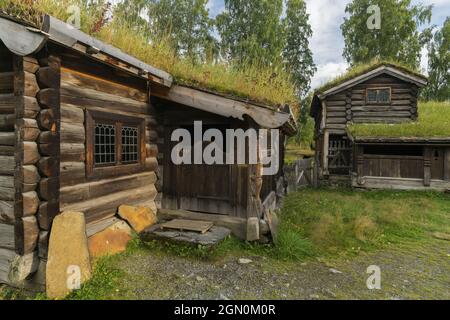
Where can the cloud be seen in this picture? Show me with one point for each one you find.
(326, 72)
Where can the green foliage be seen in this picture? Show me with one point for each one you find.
(103, 284)
(439, 65)
(397, 39)
(434, 121)
(256, 32)
(251, 31)
(298, 58)
(185, 23)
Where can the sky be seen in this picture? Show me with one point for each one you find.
(327, 43)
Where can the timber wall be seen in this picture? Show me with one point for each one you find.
(99, 198)
(351, 105)
(7, 162)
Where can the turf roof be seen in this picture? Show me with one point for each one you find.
(361, 69)
(433, 122)
(252, 83)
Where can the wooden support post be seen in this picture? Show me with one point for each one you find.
(359, 154)
(427, 167)
(326, 144)
(447, 165)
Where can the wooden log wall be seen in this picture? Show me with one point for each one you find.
(37, 152)
(100, 197)
(7, 162)
(351, 105)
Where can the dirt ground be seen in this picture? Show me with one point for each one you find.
(409, 272)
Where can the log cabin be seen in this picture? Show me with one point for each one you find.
(86, 127)
(371, 132)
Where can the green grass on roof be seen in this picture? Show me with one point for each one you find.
(251, 82)
(433, 122)
(364, 68)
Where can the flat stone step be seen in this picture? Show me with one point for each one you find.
(211, 238)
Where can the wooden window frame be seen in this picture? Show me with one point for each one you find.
(379, 103)
(94, 171)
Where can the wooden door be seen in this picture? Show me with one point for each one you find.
(437, 163)
(201, 188)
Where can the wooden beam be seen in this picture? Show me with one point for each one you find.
(19, 39)
(223, 106)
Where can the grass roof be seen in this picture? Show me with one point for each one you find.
(361, 69)
(251, 82)
(433, 122)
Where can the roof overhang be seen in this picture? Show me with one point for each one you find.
(401, 140)
(24, 40)
(395, 72)
(264, 116)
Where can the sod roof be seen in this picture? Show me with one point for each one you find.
(362, 69)
(433, 123)
(251, 83)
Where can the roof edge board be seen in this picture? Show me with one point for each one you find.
(67, 35)
(371, 74)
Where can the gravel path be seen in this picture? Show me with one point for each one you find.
(415, 272)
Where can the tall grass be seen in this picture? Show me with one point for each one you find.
(433, 122)
(335, 221)
(267, 85)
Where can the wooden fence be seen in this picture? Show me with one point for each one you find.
(300, 174)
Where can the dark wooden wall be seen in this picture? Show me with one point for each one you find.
(351, 105)
(7, 161)
(216, 189)
(90, 86)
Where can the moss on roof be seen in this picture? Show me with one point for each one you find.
(253, 83)
(433, 122)
(361, 69)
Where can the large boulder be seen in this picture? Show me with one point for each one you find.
(68, 263)
(110, 241)
(140, 218)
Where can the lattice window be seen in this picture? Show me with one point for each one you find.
(114, 140)
(379, 95)
(105, 144)
(130, 144)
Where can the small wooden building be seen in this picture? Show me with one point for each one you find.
(383, 94)
(86, 127)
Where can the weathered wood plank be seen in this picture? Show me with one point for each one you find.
(7, 236)
(88, 97)
(88, 81)
(8, 103)
(72, 173)
(7, 193)
(6, 257)
(7, 165)
(237, 225)
(86, 191)
(72, 114)
(7, 138)
(100, 208)
(7, 212)
(71, 152)
(72, 133)
(7, 122)
(6, 82)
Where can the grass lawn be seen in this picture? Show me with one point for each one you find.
(317, 225)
